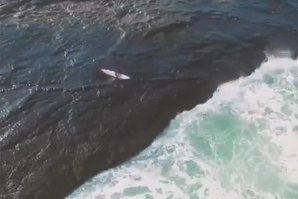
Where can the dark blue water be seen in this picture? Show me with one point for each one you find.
(52, 43)
(48, 45)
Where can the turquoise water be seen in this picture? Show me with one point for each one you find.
(240, 144)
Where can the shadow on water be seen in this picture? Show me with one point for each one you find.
(61, 124)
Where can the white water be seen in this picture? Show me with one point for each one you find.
(240, 144)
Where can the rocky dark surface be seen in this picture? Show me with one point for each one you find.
(60, 123)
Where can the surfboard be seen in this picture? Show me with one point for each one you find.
(114, 74)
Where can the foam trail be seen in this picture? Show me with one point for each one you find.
(240, 144)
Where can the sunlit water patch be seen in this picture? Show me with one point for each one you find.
(240, 144)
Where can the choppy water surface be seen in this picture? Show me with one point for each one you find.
(240, 144)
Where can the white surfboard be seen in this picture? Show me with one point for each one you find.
(114, 74)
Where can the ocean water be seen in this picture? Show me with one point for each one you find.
(241, 144)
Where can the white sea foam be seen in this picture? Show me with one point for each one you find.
(240, 144)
